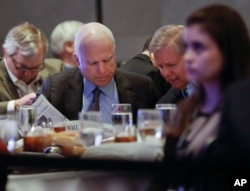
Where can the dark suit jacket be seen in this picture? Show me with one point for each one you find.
(64, 90)
(172, 96)
(142, 64)
(7, 88)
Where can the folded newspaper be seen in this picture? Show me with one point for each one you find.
(48, 115)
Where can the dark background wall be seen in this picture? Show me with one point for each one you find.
(131, 21)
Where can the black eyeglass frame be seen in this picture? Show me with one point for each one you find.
(15, 63)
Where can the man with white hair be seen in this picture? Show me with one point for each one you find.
(24, 66)
(74, 90)
(62, 41)
(168, 49)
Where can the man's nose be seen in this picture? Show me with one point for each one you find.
(27, 72)
(166, 72)
(101, 67)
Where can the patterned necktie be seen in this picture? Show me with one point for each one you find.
(94, 105)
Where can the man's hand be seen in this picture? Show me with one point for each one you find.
(25, 100)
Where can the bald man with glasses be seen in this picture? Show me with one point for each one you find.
(23, 66)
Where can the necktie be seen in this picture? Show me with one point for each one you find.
(94, 105)
(185, 93)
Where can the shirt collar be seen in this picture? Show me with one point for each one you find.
(107, 90)
(190, 87)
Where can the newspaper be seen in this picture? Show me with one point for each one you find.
(47, 112)
(48, 115)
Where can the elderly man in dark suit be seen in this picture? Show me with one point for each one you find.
(143, 63)
(167, 48)
(73, 90)
(23, 68)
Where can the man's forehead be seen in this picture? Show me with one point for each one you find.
(33, 60)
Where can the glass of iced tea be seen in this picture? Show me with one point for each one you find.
(128, 134)
(56, 124)
(150, 124)
(36, 140)
(59, 127)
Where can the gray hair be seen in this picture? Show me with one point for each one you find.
(92, 30)
(62, 33)
(170, 35)
(26, 38)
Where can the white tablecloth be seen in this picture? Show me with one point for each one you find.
(126, 151)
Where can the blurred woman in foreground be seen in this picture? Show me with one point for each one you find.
(217, 54)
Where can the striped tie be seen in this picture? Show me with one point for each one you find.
(94, 105)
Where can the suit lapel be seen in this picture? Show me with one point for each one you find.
(6, 82)
(73, 95)
(125, 91)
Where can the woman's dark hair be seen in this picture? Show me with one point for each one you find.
(226, 27)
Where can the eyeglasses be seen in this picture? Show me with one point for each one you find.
(19, 66)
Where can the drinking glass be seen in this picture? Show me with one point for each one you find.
(57, 125)
(121, 117)
(150, 124)
(27, 117)
(36, 139)
(168, 112)
(91, 129)
(8, 132)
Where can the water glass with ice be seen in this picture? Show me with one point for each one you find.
(27, 117)
(150, 124)
(91, 128)
(168, 112)
(122, 122)
(8, 131)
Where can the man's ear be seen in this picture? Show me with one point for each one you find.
(69, 46)
(152, 57)
(4, 52)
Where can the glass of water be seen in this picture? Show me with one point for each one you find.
(150, 124)
(122, 122)
(27, 118)
(8, 132)
(168, 112)
(91, 128)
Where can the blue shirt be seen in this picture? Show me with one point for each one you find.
(108, 96)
